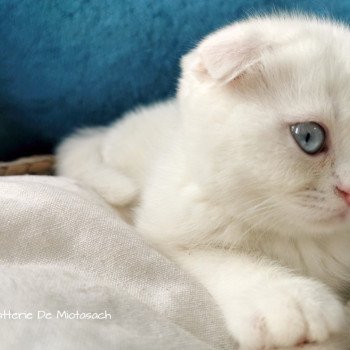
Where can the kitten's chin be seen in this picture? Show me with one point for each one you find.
(331, 224)
(316, 224)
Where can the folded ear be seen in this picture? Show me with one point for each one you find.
(227, 53)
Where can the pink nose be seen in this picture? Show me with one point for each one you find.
(345, 194)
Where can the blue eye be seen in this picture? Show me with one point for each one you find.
(309, 136)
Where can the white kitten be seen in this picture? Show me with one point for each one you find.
(244, 179)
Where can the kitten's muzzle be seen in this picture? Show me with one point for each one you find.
(344, 193)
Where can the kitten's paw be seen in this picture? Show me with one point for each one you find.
(116, 188)
(118, 192)
(286, 313)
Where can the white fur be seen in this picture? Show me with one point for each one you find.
(215, 181)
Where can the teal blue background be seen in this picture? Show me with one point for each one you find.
(71, 63)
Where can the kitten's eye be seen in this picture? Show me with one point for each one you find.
(309, 136)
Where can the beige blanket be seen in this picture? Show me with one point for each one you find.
(64, 255)
(73, 276)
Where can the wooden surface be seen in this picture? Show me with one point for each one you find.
(35, 165)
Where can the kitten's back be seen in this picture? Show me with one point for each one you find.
(114, 160)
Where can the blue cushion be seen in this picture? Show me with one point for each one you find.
(70, 63)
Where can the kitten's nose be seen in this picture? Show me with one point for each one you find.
(344, 193)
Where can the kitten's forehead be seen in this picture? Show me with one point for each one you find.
(305, 51)
(310, 78)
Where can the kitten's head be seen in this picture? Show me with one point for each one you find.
(266, 106)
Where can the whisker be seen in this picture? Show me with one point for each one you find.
(267, 217)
